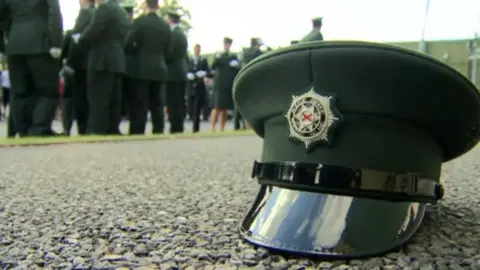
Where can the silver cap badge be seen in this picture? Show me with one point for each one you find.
(310, 118)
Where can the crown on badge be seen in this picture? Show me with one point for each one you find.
(310, 118)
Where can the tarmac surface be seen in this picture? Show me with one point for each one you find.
(176, 204)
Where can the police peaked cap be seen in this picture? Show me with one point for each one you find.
(354, 137)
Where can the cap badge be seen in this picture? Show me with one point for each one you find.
(311, 117)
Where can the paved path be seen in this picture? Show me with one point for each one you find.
(176, 204)
(57, 126)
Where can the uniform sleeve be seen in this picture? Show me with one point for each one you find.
(206, 66)
(66, 45)
(216, 61)
(168, 43)
(2, 40)
(134, 32)
(82, 21)
(4, 22)
(189, 64)
(235, 57)
(95, 28)
(55, 23)
(171, 47)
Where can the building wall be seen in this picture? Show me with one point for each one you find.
(452, 52)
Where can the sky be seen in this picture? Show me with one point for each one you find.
(278, 22)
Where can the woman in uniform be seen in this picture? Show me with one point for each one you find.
(225, 68)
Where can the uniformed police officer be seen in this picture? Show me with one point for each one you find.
(68, 83)
(177, 74)
(33, 51)
(126, 85)
(315, 34)
(198, 70)
(75, 102)
(105, 36)
(4, 26)
(225, 67)
(346, 170)
(247, 56)
(147, 44)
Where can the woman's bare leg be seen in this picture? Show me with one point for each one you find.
(223, 119)
(246, 124)
(213, 119)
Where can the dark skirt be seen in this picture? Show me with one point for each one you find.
(6, 96)
(222, 99)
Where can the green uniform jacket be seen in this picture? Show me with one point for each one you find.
(36, 26)
(2, 40)
(146, 46)
(196, 64)
(77, 56)
(4, 25)
(250, 54)
(177, 56)
(224, 72)
(104, 37)
(314, 35)
(67, 42)
(3, 32)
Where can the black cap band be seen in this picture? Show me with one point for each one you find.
(366, 183)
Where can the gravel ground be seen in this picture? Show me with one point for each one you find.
(176, 204)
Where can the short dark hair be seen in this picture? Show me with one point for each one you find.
(152, 3)
(174, 17)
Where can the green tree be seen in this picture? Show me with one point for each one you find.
(165, 6)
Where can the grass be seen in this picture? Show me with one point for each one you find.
(32, 141)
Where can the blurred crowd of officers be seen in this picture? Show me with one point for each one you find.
(112, 66)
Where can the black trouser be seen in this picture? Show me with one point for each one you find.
(5, 96)
(237, 120)
(126, 86)
(145, 96)
(11, 132)
(190, 106)
(197, 105)
(74, 102)
(34, 82)
(206, 106)
(175, 99)
(80, 101)
(67, 106)
(104, 94)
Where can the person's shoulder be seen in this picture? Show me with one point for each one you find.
(177, 31)
(140, 19)
(159, 21)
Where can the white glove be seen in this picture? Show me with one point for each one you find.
(55, 52)
(68, 69)
(190, 76)
(201, 73)
(234, 63)
(76, 37)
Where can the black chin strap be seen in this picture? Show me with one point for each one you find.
(335, 180)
